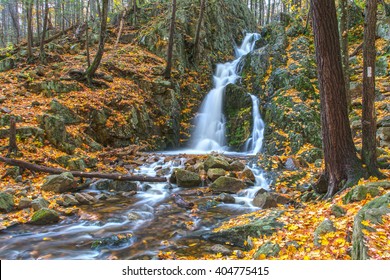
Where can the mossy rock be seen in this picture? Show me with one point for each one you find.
(216, 162)
(60, 110)
(6, 202)
(325, 227)
(227, 185)
(45, 216)
(269, 249)
(187, 179)
(58, 183)
(359, 193)
(215, 173)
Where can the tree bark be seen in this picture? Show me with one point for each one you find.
(52, 170)
(29, 30)
(198, 29)
(168, 69)
(13, 147)
(369, 116)
(121, 23)
(341, 162)
(344, 47)
(90, 72)
(42, 45)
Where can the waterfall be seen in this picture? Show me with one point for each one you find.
(254, 143)
(210, 123)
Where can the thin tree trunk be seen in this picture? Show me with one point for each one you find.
(268, 11)
(198, 29)
(87, 35)
(121, 23)
(168, 69)
(53, 170)
(42, 45)
(344, 47)
(12, 148)
(90, 72)
(341, 162)
(369, 116)
(29, 30)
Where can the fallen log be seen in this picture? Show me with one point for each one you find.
(181, 202)
(53, 170)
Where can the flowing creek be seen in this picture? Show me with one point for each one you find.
(139, 226)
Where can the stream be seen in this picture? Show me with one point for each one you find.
(140, 226)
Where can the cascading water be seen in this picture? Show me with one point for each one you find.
(254, 143)
(209, 134)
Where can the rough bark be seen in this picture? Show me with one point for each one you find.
(29, 30)
(344, 47)
(168, 69)
(341, 162)
(90, 72)
(52, 170)
(198, 29)
(369, 116)
(121, 23)
(42, 45)
(12, 147)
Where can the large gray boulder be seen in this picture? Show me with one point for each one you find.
(216, 162)
(45, 216)
(39, 203)
(215, 173)
(227, 185)
(187, 179)
(59, 183)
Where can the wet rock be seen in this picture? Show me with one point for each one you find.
(225, 198)
(70, 200)
(216, 162)
(359, 193)
(112, 241)
(117, 186)
(373, 212)
(227, 185)
(325, 227)
(129, 194)
(215, 173)
(218, 248)
(101, 196)
(187, 179)
(45, 216)
(237, 236)
(337, 210)
(39, 203)
(6, 202)
(269, 249)
(59, 183)
(85, 198)
(264, 201)
(134, 216)
(248, 174)
(237, 166)
(24, 202)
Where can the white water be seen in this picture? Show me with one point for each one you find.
(254, 143)
(209, 134)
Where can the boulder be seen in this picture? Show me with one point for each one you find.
(59, 183)
(215, 173)
(360, 192)
(337, 210)
(24, 202)
(264, 201)
(248, 174)
(218, 248)
(70, 200)
(187, 179)
(84, 198)
(44, 216)
(227, 185)
(237, 166)
(39, 203)
(6, 202)
(216, 162)
(225, 198)
(118, 186)
(372, 212)
(238, 236)
(269, 249)
(60, 110)
(325, 227)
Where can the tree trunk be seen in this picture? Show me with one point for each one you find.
(368, 116)
(13, 10)
(87, 34)
(198, 28)
(341, 162)
(102, 38)
(12, 148)
(168, 69)
(42, 45)
(121, 23)
(344, 47)
(268, 11)
(29, 30)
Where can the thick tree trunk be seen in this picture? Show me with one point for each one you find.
(344, 47)
(198, 29)
(369, 116)
(168, 69)
(52, 170)
(102, 38)
(341, 162)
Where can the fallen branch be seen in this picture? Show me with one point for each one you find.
(181, 202)
(53, 170)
